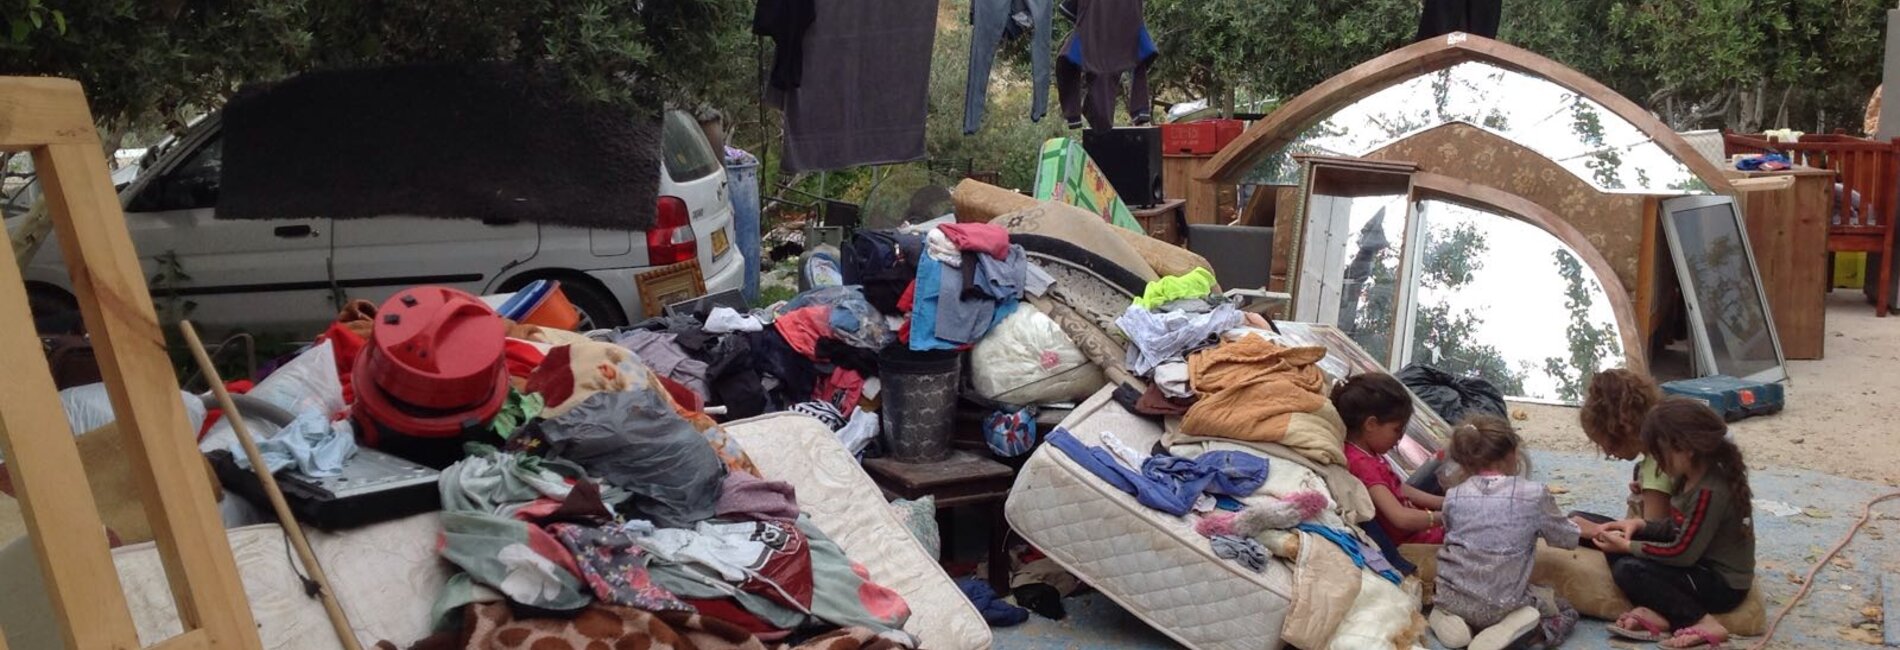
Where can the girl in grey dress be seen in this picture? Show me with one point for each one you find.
(1493, 519)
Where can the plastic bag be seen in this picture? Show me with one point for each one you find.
(859, 431)
(88, 407)
(853, 320)
(1453, 397)
(1026, 359)
(308, 382)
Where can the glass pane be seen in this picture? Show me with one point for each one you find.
(1581, 135)
(1500, 299)
(1723, 279)
(1349, 271)
(688, 156)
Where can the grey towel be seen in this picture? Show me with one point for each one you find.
(866, 86)
(1241, 549)
(1110, 31)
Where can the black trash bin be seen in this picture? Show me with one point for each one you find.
(920, 402)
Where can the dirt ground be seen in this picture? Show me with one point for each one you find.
(1843, 411)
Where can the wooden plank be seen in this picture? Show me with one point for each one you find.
(1646, 261)
(119, 316)
(36, 111)
(1788, 230)
(50, 482)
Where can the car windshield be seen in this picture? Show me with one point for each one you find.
(688, 156)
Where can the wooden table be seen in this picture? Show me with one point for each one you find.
(1788, 228)
(1164, 221)
(964, 479)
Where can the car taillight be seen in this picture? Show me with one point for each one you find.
(671, 239)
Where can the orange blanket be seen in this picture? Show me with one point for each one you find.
(1252, 389)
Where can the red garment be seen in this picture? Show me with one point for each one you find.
(986, 238)
(842, 389)
(904, 303)
(522, 357)
(346, 344)
(802, 328)
(1375, 472)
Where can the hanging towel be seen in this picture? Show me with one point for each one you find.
(865, 86)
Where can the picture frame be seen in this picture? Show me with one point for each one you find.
(668, 285)
(1731, 323)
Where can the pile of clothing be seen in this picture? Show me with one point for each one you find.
(618, 502)
(969, 279)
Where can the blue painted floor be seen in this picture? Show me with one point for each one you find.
(1788, 545)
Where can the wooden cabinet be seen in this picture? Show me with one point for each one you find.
(1788, 229)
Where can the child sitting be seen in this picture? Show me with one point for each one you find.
(1707, 564)
(1376, 408)
(1612, 417)
(1493, 520)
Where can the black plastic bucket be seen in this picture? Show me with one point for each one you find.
(920, 402)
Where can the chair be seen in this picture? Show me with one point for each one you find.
(1867, 185)
(1242, 256)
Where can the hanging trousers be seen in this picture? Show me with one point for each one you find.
(1098, 106)
(1681, 595)
(989, 19)
(1477, 17)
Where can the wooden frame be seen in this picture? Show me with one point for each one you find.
(662, 287)
(1635, 341)
(49, 118)
(1286, 123)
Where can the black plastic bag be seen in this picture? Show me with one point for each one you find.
(1453, 397)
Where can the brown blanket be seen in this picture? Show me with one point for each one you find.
(1252, 389)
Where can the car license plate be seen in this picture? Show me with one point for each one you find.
(719, 242)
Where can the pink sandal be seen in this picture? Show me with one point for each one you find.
(1651, 632)
(1704, 638)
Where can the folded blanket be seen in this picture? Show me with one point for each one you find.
(1252, 389)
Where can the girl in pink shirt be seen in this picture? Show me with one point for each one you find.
(1376, 408)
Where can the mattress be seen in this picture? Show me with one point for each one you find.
(387, 575)
(1150, 562)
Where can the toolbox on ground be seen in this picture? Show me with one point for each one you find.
(1735, 399)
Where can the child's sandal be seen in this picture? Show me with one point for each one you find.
(1704, 639)
(1651, 632)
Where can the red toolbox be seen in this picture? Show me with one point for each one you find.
(1202, 138)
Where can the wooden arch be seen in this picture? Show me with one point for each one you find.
(1511, 205)
(1424, 57)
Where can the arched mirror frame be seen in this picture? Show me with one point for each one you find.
(1425, 57)
(1428, 185)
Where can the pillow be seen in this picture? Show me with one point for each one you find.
(920, 518)
(1582, 576)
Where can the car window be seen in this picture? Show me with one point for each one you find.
(192, 185)
(687, 155)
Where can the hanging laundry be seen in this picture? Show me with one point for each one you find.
(990, 21)
(1476, 17)
(1109, 40)
(785, 22)
(864, 93)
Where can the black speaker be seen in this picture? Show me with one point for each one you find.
(1131, 159)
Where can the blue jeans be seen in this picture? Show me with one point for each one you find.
(989, 18)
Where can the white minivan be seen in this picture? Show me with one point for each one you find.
(293, 275)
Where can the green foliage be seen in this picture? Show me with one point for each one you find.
(148, 63)
(1593, 345)
(1273, 48)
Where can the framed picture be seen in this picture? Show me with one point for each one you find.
(661, 287)
(1730, 321)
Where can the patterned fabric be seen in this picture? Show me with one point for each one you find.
(615, 568)
(823, 412)
(1011, 434)
(920, 518)
(495, 627)
(521, 561)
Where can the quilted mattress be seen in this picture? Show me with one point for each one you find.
(1150, 562)
(387, 575)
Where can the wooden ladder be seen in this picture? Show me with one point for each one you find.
(49, 118)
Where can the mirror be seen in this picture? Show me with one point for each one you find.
(1499, 298)
(1728, 310)
(1355, 220)
(1576, 132)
